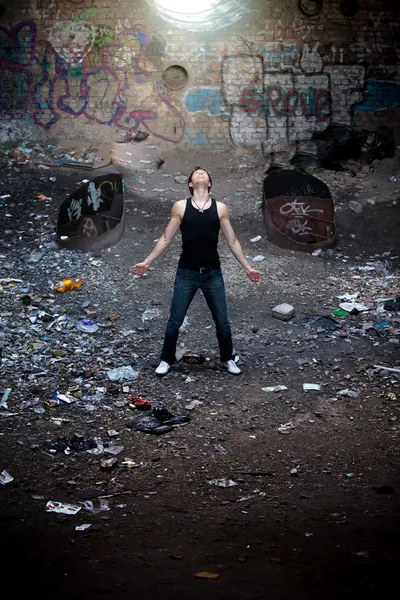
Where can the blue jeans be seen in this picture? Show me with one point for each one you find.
(187, 282)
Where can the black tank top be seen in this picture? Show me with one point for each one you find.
(199, 237)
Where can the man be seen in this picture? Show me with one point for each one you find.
(200, 218)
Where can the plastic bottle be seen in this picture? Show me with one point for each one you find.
(69, 284)
(195, 359)
(87, 326)
(180, 352)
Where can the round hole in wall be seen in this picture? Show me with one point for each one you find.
(175, 77)
(349, 8)
(310, 8)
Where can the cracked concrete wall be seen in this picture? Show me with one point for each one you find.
(97, 69)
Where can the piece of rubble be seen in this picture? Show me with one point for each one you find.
(356, 207)
(283, 312)
(126, 373)
(108, 463)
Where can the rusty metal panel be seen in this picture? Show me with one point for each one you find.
(298, 211)
(93, 217)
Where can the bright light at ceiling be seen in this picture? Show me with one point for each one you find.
(184, 6)
(203, 15)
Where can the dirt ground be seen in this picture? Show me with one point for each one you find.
(315, 510)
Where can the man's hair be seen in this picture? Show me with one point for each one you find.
(191, 175)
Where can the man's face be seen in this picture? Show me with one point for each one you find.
(200, 177)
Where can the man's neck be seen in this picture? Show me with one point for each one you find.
(201, 196)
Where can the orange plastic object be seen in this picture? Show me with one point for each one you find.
(69, 284)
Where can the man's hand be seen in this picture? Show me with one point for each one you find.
(253, 275)
(140, 268)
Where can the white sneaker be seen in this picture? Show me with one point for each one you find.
(162, 368)
(232, 367)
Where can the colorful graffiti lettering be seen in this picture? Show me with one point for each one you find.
(276, 101)
(282, 34)
(380, 95)
(274, 106)
(289, 56)
(40, 80)
(90, 13)
(205, 99)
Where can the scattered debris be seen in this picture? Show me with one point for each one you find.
(82, 527)
(312, 386)
(195, 359)
(69, 284)
(87, 326)
(274, 388)
(207, 575)
(137, 136)
(150, 314)
(286, 428)
(224, 482)
(4, 398)
(61, 508)
(353, 307)
(193, 404)
(392, 369)
(77, 443)
(159, 420)
(140, 402)
(5, 478)
(349, 393)
(128, 463)
(107, 464)
(112, 433)
(126, 373)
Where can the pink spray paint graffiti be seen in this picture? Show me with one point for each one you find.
(44, 85)
(276, 101)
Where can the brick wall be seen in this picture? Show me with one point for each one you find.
(97, 69)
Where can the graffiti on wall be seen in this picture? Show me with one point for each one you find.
(380, 95)
(288, 34)
(206, 99)
(88, 76)
(273, 59)
(277, 101)
(280, 105)
(91, 13)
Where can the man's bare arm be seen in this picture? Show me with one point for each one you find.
(164, 241)
(234, 244)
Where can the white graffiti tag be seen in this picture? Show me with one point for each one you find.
(299, 227)
(299, 212)
(298, 209)
(94, 197)
(75, 210)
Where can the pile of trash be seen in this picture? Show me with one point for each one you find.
(370, 308)
(340, 143)
(69, 154)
